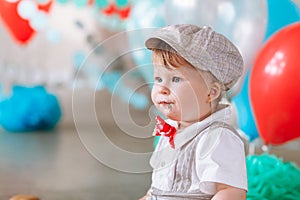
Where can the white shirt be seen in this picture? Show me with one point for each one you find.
(205, 153)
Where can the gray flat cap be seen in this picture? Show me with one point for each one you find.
(203, 48)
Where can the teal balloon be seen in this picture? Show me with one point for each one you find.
(145, 15)
(122, 3)
(63, 1)
(101, 3)
(81, 3)
(280, 14)
(246, 121)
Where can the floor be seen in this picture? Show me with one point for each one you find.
(56, 165)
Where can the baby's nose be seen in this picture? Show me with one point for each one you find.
(164, 90)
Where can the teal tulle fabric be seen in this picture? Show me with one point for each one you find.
(29, 109)
(270, 178)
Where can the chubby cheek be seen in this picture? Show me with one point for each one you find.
(192, 105)
(188, 105)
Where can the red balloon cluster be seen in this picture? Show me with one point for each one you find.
(18, 27)
(112, 9)
(274, 87)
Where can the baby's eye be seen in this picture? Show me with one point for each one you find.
(176, 79)
(158, 79)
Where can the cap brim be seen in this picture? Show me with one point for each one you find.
(153, 42)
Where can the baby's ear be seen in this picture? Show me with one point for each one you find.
(215, 91)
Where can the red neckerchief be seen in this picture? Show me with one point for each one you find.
(164, 129)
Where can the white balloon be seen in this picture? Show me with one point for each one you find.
(243, 22)
(39, 21)
(27, 9)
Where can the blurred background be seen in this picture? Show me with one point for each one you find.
(76, 120)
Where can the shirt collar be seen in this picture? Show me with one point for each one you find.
(191, 131)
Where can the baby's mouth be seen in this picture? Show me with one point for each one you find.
(166, 104)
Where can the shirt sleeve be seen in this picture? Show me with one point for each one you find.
(220, 158)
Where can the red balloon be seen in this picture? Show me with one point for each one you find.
(274, 87)
(18, 27)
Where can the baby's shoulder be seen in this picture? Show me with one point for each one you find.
(217, 129)
(215, 136)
